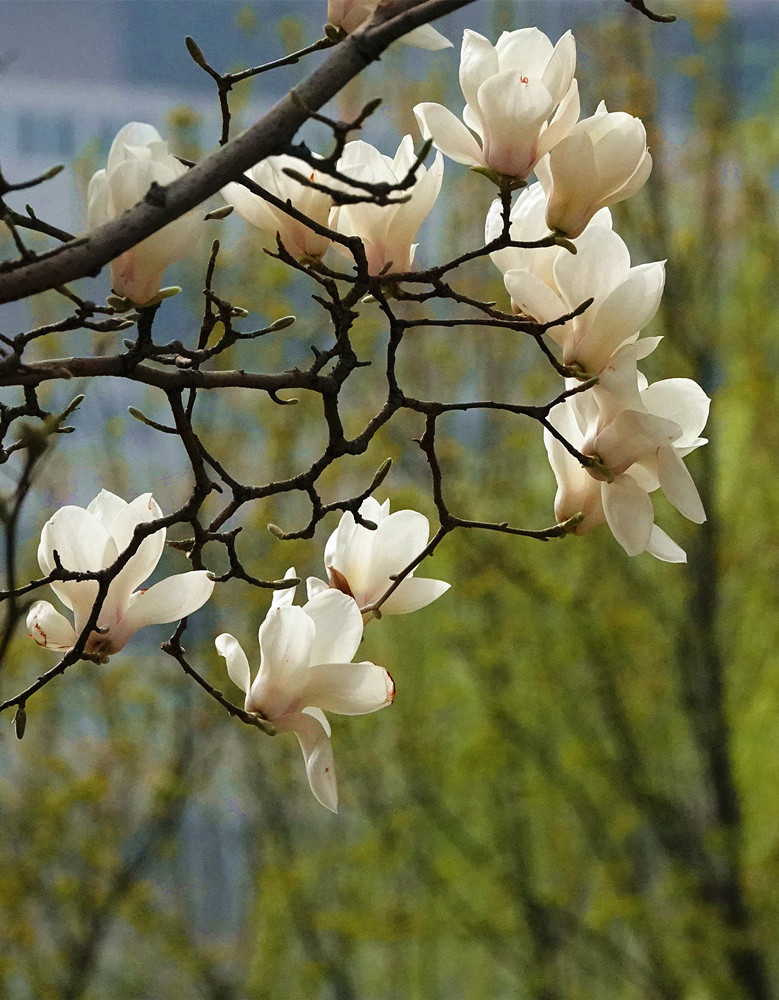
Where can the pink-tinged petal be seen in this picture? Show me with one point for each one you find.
(286, 637)
(49, 628)
(449, 134)
(513, 109)
(412, 594)
(678, 485)
(662, 547)
(314, 741)
(167, 601)
(348, 688)
(105, 507)
(237, 663)
(338, 628)
(629, 513)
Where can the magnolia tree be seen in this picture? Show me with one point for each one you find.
(346, 219)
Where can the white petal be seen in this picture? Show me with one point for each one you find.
(400, 538)
(478, 62)
(426, 37)
(348, 688)
(661, 546)
(167, 601)
(629, 513)
(237, 664)
(678, 485)
(536, 299)
(106, 506)
(315, 586)
(287, 595)
(512, 115)
(317, 753)
(338, 628)
(286, 637)
(449, 134)
(681, 400)
(142, 564)
(412, 594)
(49, 628)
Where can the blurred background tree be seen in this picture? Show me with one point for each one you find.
(575, 795)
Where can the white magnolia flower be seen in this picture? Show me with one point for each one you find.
(638, 451)
(299, 239)
(350, 14)
(601, 161)
(360, 561)
(306, 669)
(511, 91)
(137, 159)
(625, 299)
(527, 223)
(92, 539)
(387, 231)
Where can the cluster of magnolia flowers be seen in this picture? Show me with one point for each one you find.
(521, 115)
(306, 652)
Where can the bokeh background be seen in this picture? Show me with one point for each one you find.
(575, 794)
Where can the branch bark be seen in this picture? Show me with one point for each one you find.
(86, 255)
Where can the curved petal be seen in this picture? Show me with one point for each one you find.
(681, 400)
(564, 119)
(513, 109)
(678, 485)
(49, 628)
(449, 134)
(237, 663)
(338, 628)
(142, 564)
(478, 61)
(558, 74)
(287, 594)
(400, 538)
(286, 637)
(629, 513)
(315, 586)
(105, 507)
(314, 741)
(413, 594)
(535, 298)
(348, 688)
(426, 37)
(662, 547)
(167, 601)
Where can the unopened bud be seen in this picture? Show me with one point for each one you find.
(20, 722)
(219, 213)
(283, 323)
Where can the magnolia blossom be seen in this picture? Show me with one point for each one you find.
(387, 231)
(625, 299)
(511, 90)
(306, 669)
(350, 14)
(601, 161)
(298, 238)
(637, 452)
(139, 158)
(90, 540)
(527, 223)
(360, 561)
